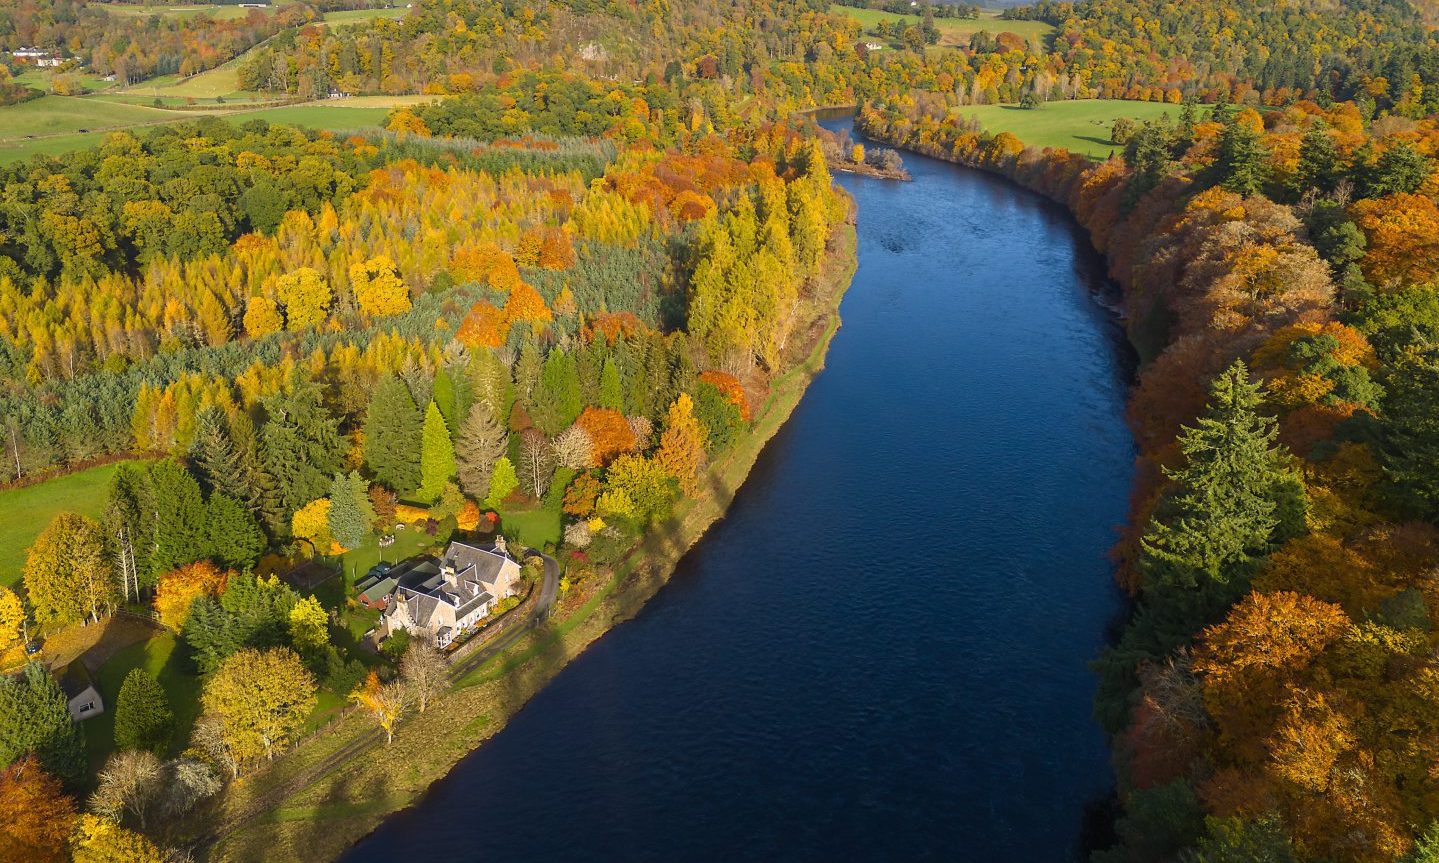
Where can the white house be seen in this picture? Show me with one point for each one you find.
(83, 700)
(36, 57)
(441, 599)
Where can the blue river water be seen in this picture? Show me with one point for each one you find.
(880, 653)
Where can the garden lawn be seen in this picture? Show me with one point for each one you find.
(534, 527)
(953, 31)
(24, 512)
(1080, 126)
(163, 657)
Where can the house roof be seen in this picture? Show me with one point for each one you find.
(378, 589)
(423, 585)
(75, 679)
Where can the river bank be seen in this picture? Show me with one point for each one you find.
(878, 654)
(264, 817)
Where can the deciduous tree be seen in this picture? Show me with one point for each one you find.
(261, 699)
(66, 574)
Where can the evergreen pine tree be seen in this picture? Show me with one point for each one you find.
(392, 436)
(143, 719)
(502, 482)
(611, 395)
(1241, 163)
(481, 442)
(527, 372)
(1233, 498)
(177, 529)
(437, 455)
(557, 398)
(1318, 160)
(213, 455)
(351, 514)
(35, 717)
(1410, 450)
(233, 537)
(300, 445)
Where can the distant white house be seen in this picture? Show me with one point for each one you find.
(36, 57)
(441, 599)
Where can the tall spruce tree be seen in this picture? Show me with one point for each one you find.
(1410, 450)
(351, 515)
(611, 393)
(392, 436)
(1233, 498)
(213, 455)
(437, 455)
(300, 445)
(232, 536)
(481, 442)
(143, 718)
(1241, 162)
(1319, 166)
(557, 398)
(177, 527)
(35, 718)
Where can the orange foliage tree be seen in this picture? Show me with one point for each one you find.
(609, 431)
(179, 588)
(36, 818)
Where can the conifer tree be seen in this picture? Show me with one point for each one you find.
(1410, 451)
(1318, 160)
(213, 454)
(392, 436)
(611, 394)
(300, 445)
(233, 537)
(502, 482)
(481, 442)
(682, 445)
(351, 515)
(143, 718)
(527, 371)
(178, 526)
(556, 401)
(35, 718)
(1241, 163)
(437, 455)
(1233, 497)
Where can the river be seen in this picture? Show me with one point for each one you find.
(880, 653)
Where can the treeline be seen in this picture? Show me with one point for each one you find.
(1270, 697)
(136, 47)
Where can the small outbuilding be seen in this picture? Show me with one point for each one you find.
(79, 688)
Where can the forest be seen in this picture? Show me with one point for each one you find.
(568, 285)
(1270, 697)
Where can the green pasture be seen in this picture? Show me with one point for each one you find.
(952, 31)
(24, 512)
(1080, 126)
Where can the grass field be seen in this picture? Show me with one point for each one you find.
(222, 12)
(535, 527)
(352, 16)
(58, 115)
(63, 116)
(24, 512)
(953, 31)
(1081, 126)
(161, 657)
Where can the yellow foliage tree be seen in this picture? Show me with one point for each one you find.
(386, 702)
(312, 521)
(260, 699)
(378, 288)
(12, 620)
(309, 625)
(100, 840)
(262, 317)
(682, 446)
(306, 297)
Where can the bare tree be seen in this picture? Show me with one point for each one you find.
(130, 783)
(425, 672)
(537, 462)
(188, 781)
(574, 448)
(209, 738)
